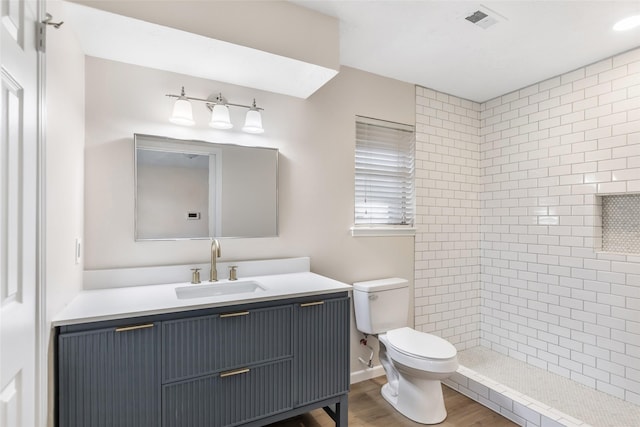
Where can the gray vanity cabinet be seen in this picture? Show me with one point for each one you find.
(249, 365)
(110, 377)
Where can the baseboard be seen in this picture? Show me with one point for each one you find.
(366, 374)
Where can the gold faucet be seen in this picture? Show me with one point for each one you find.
(215, 253)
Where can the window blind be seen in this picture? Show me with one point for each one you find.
(384, 175)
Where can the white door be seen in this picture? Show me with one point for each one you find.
(18, 204)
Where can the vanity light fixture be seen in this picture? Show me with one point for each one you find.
(219, 107)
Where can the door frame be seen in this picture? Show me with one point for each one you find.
(42, 347)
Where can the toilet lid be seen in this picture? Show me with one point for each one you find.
(420, 344)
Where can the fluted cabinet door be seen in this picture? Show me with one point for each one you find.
(321, 367)
(109, 378)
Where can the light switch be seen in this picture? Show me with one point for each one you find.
(78, 253)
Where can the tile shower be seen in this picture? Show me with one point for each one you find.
(522, 202)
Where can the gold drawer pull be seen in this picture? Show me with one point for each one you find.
(236, 372)
(133, 328)
(239, 313)
(309, 304)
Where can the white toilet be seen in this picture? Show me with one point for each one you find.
(414, 362)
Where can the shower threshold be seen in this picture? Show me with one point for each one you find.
(531, 396)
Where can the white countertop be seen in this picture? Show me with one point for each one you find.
(134, 301)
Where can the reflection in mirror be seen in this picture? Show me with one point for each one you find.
(200, 190)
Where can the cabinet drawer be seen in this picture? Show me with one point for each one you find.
(228, 398)
(208, 344)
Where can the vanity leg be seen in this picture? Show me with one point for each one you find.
(342, 412)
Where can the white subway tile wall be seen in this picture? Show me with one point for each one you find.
(447, 282)
(510, 223)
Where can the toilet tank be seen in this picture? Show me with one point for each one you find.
(381, 305)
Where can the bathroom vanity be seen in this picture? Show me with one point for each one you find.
(212, 361)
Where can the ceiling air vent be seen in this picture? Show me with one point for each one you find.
(476, 17)
(483, 18)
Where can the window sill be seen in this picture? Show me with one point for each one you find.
(361, 231)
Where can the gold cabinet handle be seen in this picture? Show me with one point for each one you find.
(310, 304)
(238, 313)
(236, 372)
(133, 328)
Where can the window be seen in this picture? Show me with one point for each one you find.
(384, 188)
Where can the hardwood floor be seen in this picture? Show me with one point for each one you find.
(367, 408)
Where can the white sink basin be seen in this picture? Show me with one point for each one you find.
(217, 289)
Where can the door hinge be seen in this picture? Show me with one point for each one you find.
(41, 31)
(41, 37)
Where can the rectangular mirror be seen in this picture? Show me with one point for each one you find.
(201, 190)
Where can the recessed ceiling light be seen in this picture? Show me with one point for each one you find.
(627, 23)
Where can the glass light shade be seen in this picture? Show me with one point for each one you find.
(628, 23)
(182, 112)
(220, 117)
(253, 122)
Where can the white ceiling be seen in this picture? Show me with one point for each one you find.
(120, 38)
(429, 43)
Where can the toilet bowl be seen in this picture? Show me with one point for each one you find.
(414, 362)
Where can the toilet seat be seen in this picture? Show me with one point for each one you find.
(446, 364)
(420, 345)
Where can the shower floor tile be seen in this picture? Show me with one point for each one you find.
(548, 392)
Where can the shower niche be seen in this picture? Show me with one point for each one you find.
(620, 223)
